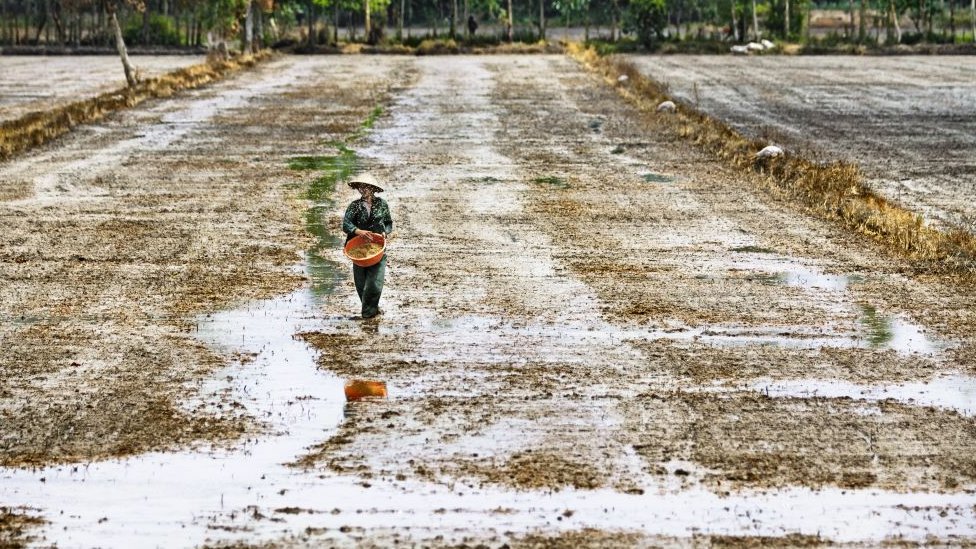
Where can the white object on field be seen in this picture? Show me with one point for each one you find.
(739, 49)
(755, 46)
(667, 106)
(770, 151)
(767, 44)
(622, 78)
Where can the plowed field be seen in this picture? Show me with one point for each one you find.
(593, 334)
(909, 122)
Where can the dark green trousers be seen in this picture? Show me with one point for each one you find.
(369, 286)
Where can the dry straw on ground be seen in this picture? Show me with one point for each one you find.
(834, 191)
(40, 127)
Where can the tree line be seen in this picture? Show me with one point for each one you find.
(249, 24)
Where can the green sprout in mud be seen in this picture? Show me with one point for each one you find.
(334, 168)
(657, 178)
(878, 326)
(371, 119)
(552, 181)
(750, 249)
(367, 124)
(338, 167)
(619, 149)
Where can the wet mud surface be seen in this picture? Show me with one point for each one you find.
(69, 78)
(908, 121)
(128, 230)
(592, 335)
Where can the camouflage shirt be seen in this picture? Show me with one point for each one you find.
(357, 217)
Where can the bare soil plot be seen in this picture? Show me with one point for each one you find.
(592, 336)
(909, 122)
(38, 82)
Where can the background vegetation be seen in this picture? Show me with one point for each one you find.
(622, 23)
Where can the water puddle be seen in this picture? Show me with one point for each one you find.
(494, 332)
(952, 392)
(874, 329)
(172, 497)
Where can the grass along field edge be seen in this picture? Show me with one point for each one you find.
(37, 128)
(834, 191)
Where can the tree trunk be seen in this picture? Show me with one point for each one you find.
(311, 23)
(248, 45)
(849, 30)
(952, 21)
(972, 17)
(755, 21)
(258, 26)
(786, 19)
(130, 72)
(735, 25)
(894, 21)
(366, 23)
(400, 20)
(861, 29)
(146, 39)
(454, 17)
(509, 22)
(41, 23)
(614, 18)
(542, 20)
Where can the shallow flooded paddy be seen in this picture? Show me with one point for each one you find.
(38, 82)
(592, 335)
(908, 121)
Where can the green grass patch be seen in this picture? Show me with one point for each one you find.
(552, 181)
(878, 326)
(309, 162)
(371, 119)
(657, 178)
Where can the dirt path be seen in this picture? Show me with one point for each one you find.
(907, 120)
(592, 336)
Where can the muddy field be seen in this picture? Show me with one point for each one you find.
(594, 335)
(908, 121)
(33, 82)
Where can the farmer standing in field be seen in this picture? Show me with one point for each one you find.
(369, 217)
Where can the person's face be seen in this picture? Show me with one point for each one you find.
(365, 191)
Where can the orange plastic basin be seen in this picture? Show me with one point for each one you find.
(357, 241)
(362, 388)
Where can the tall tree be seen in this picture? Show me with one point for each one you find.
(111, 7)
(755, 22)
(366, 25)
(542, 19)
(454, 19)
(509, 23)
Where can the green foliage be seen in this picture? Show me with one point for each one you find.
(571, 9)
(648, 18)
(162, 31)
